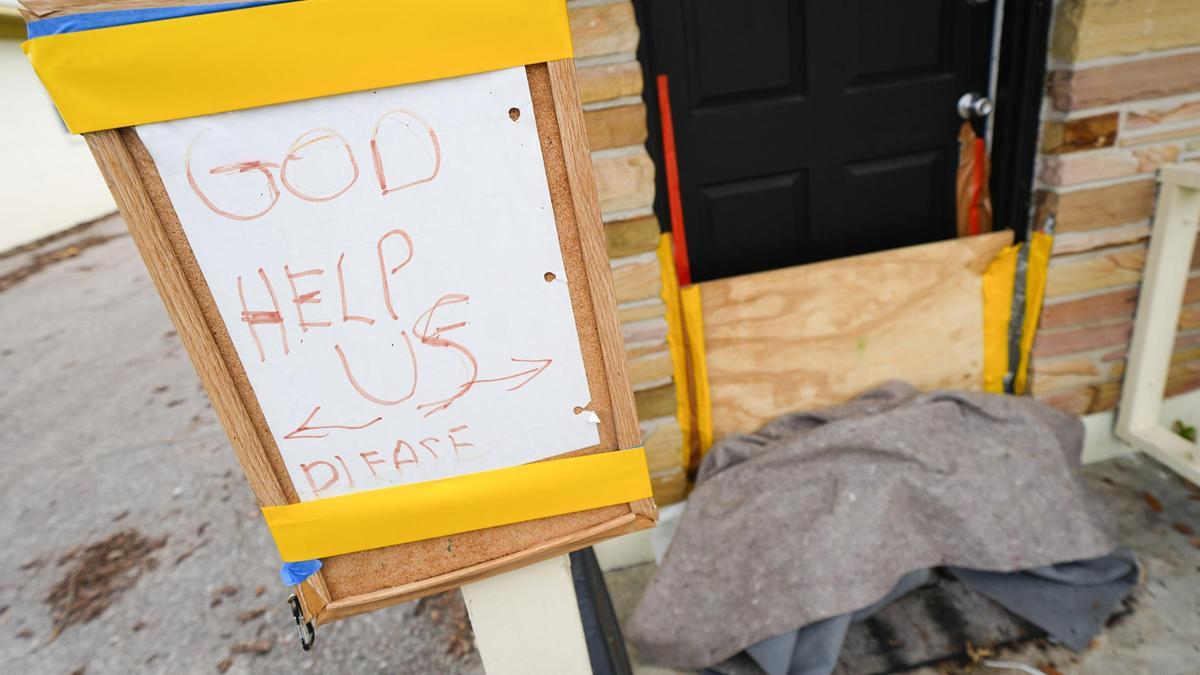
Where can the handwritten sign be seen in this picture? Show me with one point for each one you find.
(387, 266)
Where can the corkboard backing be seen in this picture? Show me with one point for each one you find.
(366, 580)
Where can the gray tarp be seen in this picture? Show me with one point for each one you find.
(820, 514)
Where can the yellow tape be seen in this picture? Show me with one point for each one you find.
(997, 310)
(406, 513)
(670, 296)
(693, 327)
(198, 65)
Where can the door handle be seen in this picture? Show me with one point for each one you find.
(974, 105)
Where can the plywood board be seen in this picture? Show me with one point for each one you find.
(358, 582)
(814, 335)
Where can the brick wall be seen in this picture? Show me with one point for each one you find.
(606, 39)
(1123, 98)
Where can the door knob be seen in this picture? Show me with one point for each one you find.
(974, 105)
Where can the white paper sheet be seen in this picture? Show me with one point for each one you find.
(440, 340)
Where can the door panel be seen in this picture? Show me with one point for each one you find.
(743, 214)
(807, 130)
(736, 70)
(906, 184)
(889, 41)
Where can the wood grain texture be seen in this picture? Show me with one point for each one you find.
(1076, 168)
(1085, 133)
(637, 280)
(1082, 339)
(647, 330)
(1164, 135)
(614, 80)
(631, 236)
(46, 8)
(1152, 116)
(670, 487)
(653, 308)
(625, 181)
(1091, 240)
(590, 227)
(1088, 29)
(1108, 306)
(656, 402)
(359, 582)
(1125, 81)
(597, 30)
(649, 371)
(1095, 208)
(1090, 272)
(664, 441)
(1058, 374)
(814, 335)
(617, 126)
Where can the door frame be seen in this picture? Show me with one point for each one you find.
(1020, 84)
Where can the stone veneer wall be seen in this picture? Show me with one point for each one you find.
(1123, 98)
(605, 35)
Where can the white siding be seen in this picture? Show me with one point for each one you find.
(48, 180)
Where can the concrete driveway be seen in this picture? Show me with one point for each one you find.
(133, 543)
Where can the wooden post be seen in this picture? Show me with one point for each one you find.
(527, 621)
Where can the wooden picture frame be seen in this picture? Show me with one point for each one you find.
(360, 582)
(1172, 241)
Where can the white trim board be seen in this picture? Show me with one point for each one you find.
(1168, 262)
(1100, 443)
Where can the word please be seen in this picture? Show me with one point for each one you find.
(323, 475)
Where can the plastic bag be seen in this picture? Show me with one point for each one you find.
(974, 205)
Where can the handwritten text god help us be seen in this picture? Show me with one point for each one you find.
(384, 313)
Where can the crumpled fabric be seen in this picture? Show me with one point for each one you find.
(1070, 601)
(820, 514)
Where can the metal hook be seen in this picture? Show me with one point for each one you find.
(308, 634)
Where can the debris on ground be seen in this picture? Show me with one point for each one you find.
(251, 614)
(55, 255)
(219, 595)
(251, 647)
(99, 574)
(449, 609)
(188, 553)
(1152, 501)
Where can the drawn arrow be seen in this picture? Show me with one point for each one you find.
(305, 428)
(532, 373)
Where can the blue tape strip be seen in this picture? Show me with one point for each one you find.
(74, 23)
(293, 573)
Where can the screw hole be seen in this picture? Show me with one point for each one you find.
(549, 276)
(514, 114)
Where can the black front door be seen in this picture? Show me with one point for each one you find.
(809, 130)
